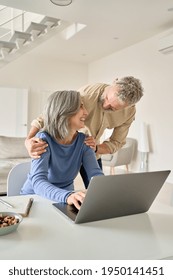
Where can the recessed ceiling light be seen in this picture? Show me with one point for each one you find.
(61, 2)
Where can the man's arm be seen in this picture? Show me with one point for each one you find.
(118, 138)
(98, 148)
(34, 145)
(102, 149)
(33, 131)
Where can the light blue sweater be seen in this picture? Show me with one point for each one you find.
(52, 176)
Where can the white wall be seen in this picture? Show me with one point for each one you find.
(42, 76)
(155, 70)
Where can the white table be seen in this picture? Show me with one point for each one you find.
(45, 234)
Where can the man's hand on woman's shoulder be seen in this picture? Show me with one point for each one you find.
(35, 147)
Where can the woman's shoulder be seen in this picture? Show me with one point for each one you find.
(44, 136)
(81, 135)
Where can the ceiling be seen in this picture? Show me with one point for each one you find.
(111, 25)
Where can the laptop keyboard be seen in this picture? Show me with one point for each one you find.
(73, 209)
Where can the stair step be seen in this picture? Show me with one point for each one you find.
(39, 27)
(50, 21)
(8, 45)
(24, 36)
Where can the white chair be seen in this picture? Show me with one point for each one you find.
(17, 177)
(122, 157)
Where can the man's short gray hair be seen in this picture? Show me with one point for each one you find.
(60, 106)
(130, 91)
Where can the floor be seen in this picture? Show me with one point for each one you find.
(78, 183)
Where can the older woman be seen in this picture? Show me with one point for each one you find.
(52, 175)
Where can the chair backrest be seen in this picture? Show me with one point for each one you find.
(122, 157)
(125, 154)
(16, 178)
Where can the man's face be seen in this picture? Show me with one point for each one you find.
(111, 102)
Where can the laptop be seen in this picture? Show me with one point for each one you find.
(112, 196)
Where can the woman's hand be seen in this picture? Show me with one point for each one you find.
(91, 142)
(76, 198)
(35, 147)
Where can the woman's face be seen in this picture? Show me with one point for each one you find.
(78, 121)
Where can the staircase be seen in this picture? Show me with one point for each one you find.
(26, 35)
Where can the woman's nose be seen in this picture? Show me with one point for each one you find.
(85, 111)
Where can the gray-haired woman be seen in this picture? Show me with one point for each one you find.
(52, 175)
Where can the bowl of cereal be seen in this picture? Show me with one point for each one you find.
(9, 222)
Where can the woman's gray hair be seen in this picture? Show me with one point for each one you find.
(60, 106)
(130, 91)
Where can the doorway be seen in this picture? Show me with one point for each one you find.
(13, 112)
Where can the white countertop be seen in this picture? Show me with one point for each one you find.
(46, 234)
